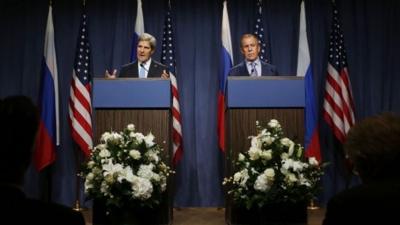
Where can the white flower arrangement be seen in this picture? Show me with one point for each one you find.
(273, 170)
(126, 169)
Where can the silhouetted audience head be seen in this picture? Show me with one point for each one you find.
(373, 146)
(19, 123)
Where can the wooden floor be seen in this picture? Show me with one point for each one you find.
(213, 216)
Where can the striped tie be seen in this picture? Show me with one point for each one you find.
(253, 69)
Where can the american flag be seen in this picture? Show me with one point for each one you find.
(168, 58)
(80, 106)
(259, 32)
(338, 108)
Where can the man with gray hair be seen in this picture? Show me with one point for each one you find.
(252, 65)
(144, 66)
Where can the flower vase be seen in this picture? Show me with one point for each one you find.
(125, 217)
(271, 214)
(138, 216)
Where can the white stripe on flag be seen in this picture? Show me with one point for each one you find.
(139, 24)
(226, 32)
(51, 62)
(303, 56)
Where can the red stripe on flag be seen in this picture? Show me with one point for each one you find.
(79, 95)
(313, 149)
(45, 148)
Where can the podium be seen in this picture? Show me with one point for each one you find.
(145, 103)
(251, 99)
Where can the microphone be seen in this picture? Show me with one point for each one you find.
(142, 65)
(142, 71)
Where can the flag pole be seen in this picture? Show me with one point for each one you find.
(77, 206)
(312, 205)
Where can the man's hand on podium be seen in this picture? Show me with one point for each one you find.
(111, 76)
(165, 75)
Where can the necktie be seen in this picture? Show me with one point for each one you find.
(142, 72)
(253, 69)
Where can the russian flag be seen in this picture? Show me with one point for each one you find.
(139, 29)
(304, 68)
(226, 64)
(48, 134)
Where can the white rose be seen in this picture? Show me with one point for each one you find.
(266, 154)
(149, 140)
(90, 176)
(254, 153)
(141, 188)
(131, 127)
(138, 136)
(88, 185)
(261, 183)
(273, 123)
(297, 166)
(241, 157)
(135, 154)
(270, 173)
(237, 176)
(101, 146)
(104, 153)
(90, 164)
(286, 141)
(268, 140)
(313, 161)
(109, 179)
(291, 178)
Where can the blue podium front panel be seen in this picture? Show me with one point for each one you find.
(265, 92)
(131, 93)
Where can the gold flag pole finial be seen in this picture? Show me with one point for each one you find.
(312, 205)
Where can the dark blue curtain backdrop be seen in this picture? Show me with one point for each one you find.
(371, 32)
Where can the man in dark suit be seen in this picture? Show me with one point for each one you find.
(373, 147)
(144, 66)
(18, 127)
(252, 65)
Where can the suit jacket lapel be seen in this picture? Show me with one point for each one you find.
(243, 69)
(153, 70)
(135, 72)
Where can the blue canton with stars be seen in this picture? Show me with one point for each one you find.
(82, 58)
(168, 52)
(337, 53)
(259, 32)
